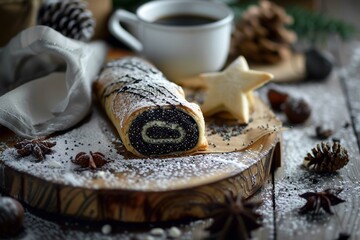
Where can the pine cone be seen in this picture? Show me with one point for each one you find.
(261, 36)
(327, 158)
(69, 17)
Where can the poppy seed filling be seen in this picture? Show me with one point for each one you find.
(163, 131)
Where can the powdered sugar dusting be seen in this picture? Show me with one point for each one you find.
(96, 134)
(328, 110)
(350, 76)
(41, 228)
(143, 85)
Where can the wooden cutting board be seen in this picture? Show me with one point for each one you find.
(129, 189)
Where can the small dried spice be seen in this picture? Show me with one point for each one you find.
(234, 219)
(322, 133)
(320, 200)
(297, 111)
(92, 160)
(276, 99)
(37, 147)
(326, 157)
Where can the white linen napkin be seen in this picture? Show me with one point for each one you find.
(45, 81)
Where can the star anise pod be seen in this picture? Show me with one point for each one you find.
(326, 157)
(234, 219)
(320, 200)
(92, 160)
(37, 147)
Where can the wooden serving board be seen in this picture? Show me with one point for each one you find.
(129, 189)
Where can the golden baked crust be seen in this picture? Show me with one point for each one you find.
(130, 89)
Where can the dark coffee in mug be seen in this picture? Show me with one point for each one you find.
(182, 38)
(185, 20)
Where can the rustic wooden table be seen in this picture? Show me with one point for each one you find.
(335, 104)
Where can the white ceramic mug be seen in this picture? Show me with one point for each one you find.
(179, 51)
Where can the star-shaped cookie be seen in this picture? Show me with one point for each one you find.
(231, 90)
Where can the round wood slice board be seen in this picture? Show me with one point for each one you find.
(129, 189)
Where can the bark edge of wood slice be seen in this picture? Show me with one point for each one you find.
(177, 202)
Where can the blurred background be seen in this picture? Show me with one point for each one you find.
(17, 15)
(314, 23)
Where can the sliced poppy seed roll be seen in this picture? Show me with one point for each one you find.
(150, 113)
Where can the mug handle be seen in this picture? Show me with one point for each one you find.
(120, 33)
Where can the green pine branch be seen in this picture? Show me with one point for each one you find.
(316, 26)
(309, 25)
